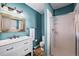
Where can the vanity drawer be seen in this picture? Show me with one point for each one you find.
(14, 52)
(19, 51)
(22, 43)
(24, 50)
(6, 48)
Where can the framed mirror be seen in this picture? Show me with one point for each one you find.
(11, 25)
(11, 19)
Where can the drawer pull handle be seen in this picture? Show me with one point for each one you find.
(26, 43)
(26, 49)
(10, 49)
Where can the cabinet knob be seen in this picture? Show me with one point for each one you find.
(26, 43)
(26, 49)
(9, 48)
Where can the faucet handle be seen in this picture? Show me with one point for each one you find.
(14, 36)
(10, 37)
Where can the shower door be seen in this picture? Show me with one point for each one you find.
(64, 44)
(77, 30)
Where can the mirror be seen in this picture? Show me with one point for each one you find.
(11, 19)
(11, 25)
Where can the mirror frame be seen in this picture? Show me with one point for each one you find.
(13, 18)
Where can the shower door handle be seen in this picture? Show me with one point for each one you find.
(54, 43)
(55, 33)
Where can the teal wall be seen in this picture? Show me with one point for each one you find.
(64, 10)
(32, 20)
(0, 35)
(38, 32)
(43, 24)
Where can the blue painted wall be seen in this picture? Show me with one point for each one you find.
(32, 20)
(43, 24)
(38, 32)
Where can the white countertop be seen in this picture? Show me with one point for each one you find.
(9, 41)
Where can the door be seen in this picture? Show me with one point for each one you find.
(64, 35)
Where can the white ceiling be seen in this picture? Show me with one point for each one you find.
(40, 6)
(37, 6)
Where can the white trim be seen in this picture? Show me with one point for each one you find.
(49, 15)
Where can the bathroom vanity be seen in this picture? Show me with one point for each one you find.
(16, 47)
(13, 20)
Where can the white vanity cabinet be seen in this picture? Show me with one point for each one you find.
(19, 48)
